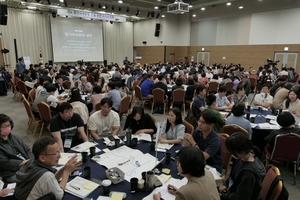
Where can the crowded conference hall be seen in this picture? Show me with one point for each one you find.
(149, 100)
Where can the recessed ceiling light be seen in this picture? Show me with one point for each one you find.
(61, 1)
(156, 7)
(228, 3)
(241, 7)
(194, 15)
(203, 8)
(163, 16)
(120, 1)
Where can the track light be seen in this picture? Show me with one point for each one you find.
(54, 14)
(112, 7)
(99, 6)
(152, 14)
(65, 2)
(148, 15)
(137, 12)
(120, 8)
(228, 3)
(190, 6)
(49, 2)
(120, 1)
(111, 22)
(38, 1)
(127, 9)
(106, 7)
(158, 14)
(203, 8)
(83, 3)
(92, 4)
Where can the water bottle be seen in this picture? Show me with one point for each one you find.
(149, 181)
(128, 136)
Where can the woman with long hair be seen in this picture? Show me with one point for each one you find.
(292, 103)
(140, 122)
(247, 172)
(239, 96)
(172, 130)
(78, 104)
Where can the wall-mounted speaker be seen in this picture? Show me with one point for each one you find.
(3, 20)
(50, 62)
(105, 63)
(157, 30)
(144, 42)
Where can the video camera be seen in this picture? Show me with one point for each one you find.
(271, 62)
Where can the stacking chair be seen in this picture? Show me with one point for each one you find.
(229, 86)
(22, 88)
(178, 97)
(98, 106)
(159, 98)
(124, 105)
(266, 192)
(253, 83)
(17, 93)
(189, 128)
(31, 95)
(68, 84)
(226, 155)
(213, 87)
(91, 79)
(286, 149)
(139, 97)
(229, 98)
(45, 114)
(31, 117)
(233, 128)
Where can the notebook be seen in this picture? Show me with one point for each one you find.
(80, 187)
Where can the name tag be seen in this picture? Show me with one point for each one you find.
(68, 142)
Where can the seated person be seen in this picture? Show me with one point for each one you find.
(211, 105)
(52, 100)
(104, 122)
(140, 122)
(203, 80)
(160, 84)
(114, 95)
(37, 178)
(4, 192)
(96, 97)
(281, 95)
(201, 183)
(206, 139)
(79, 105)
(190, 90)
(178, 84)
(199, 101)
(13, 151)
(40, 98)
(239, 96)
(40, 86)
(244, 181)
(84, 85)
(60, 86)
(67, 127)
(263, 99)
(235, 82)
(147, 86)
(292, 103)
(237, 118)
(118, 87)
(172, 130)
(286, 120)
(222, 101)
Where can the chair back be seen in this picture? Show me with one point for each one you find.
(68, 84)
(213, 87)
(155, 76)
(229, 86)
(253, 82)
(158, 95)
(98, 106)
(138, 93)
(178, 96)
(233, 128)
(281, 152)
(229, 98)
(31, 95)
(45, 112)
(76, 84)
(22, 87)
(91, 79)
(135, 83)
(189, 128)
(14, 83)
(191, 109)
(266, 192)
(126, 90)
(226, 155)
(124, 105)
(27, 108)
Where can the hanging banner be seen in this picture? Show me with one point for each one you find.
(92, 15)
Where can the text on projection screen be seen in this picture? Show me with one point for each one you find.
(76, 39)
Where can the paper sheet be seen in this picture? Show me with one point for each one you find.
(83, 146)
(165, 146)
(85, 187)
(110, 143)
(268, 126)
(142, 136)
(125, 159)
(12, 187)
(272, 117)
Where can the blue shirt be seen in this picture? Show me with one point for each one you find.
(241, 121)
(221, 102)
(212, 146)
(146, 87)
(20, 67)
(115, 96)
(198, 103)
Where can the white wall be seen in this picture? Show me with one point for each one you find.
(174, 31)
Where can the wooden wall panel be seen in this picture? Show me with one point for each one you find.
(246, 55)
(150, 54)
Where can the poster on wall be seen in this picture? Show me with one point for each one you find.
(27, 61)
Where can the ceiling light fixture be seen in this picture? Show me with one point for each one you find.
(106, 7)
(194, 15)
(99, 6)
(137, 12)
(83, 3)
(163, 16)
(155, 7)
(49, 2)
(120, 8)
(112, 7)
(228, 3)
(92, 4)
(158, 14)
(38, 1)
(65, 2)
(61, 1)
(190, 6)
(203, 8)
(152, 14)
(120, 1)
(241, 7)
(127, 9)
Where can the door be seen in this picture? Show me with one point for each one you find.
(203, 57)
(172, 58)
(286, 59)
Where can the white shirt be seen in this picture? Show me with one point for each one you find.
(262, 99)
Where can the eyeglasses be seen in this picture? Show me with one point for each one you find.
(52, 154)
(5, 126)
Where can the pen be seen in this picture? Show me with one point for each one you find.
(137, 163)
(171, 188)
(75, 187)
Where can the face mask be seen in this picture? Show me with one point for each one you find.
(5, 131)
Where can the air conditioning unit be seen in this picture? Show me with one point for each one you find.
(178, 7)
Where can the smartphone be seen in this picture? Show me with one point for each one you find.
(228, 114)
(111, 138)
